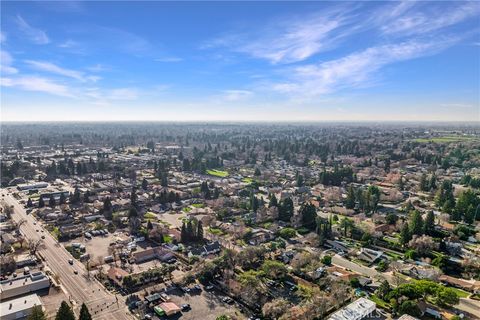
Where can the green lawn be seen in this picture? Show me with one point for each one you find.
(187, 209)
(150, 215)
(215, 231)
(198, 205)
(380, 303)
(461, 293)
(247, 180)
(217, 173)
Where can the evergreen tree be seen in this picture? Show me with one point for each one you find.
(309, 216)
(273, 201)
(416, 223)
(64, 312)
(199, 231)
(424, 183)
(37, 314)
(350, 201)
(29, 203)
(84, 313)
(285, 210)
(144, 184)
(405, 235)
(257, 172)
(41, 202)
(429, 224)
(52, 202)
(62, 198)
(184, 234)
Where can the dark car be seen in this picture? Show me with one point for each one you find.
(186, 307)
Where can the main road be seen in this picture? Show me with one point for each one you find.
(77, 285)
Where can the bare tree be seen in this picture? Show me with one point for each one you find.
(33, 246)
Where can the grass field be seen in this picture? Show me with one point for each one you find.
(382, 304)
(217, 173)
(198, 205)
(446, 139)
(461, 293)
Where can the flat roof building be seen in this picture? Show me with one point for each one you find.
(356, 310)
(14, 287)
(19, 308)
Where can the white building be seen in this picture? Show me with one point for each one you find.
(19, 308)
(356, 310)
(13, 287)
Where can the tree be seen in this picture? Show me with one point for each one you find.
(274, 269)
(350, 201)
(199, 233)
(64, 312)
(383, 289)
(41, 202)
(275, 308)
(416, 223)
(37, 314)
(273, 201)
(309, 216)
(327, 260)
(447, 297)
(63, 199)
(405, 235)
(29, 203)
(429, 225)
(422, 245)
(410, 307)
(144, 184)
(84, 313)
(257, 172)
(346, 224)
(285, 211)
(287, 233)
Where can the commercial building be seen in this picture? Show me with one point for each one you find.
(19, 308)
(359, 309)
(14, 287)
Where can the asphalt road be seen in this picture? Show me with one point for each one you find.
(78, 287)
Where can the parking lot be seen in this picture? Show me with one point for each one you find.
(205, 305)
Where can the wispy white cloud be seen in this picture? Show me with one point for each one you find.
(55, 69)
(6, 61)
(3, 37)
(35, 35)
(35, 83)
(354, 70)
(235, 95)
(169, 59)
(291, 40)
(97, 68)
(432, 18)
(68, 44)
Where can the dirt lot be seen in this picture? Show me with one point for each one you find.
(96, 247)
(52, 300)
(173, 219)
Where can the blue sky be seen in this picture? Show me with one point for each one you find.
(250, 61)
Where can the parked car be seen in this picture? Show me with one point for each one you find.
(209, 287)
(70, 261)
(227, 300)
(186, 307)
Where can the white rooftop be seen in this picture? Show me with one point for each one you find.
(19, 304)
(356, 310)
